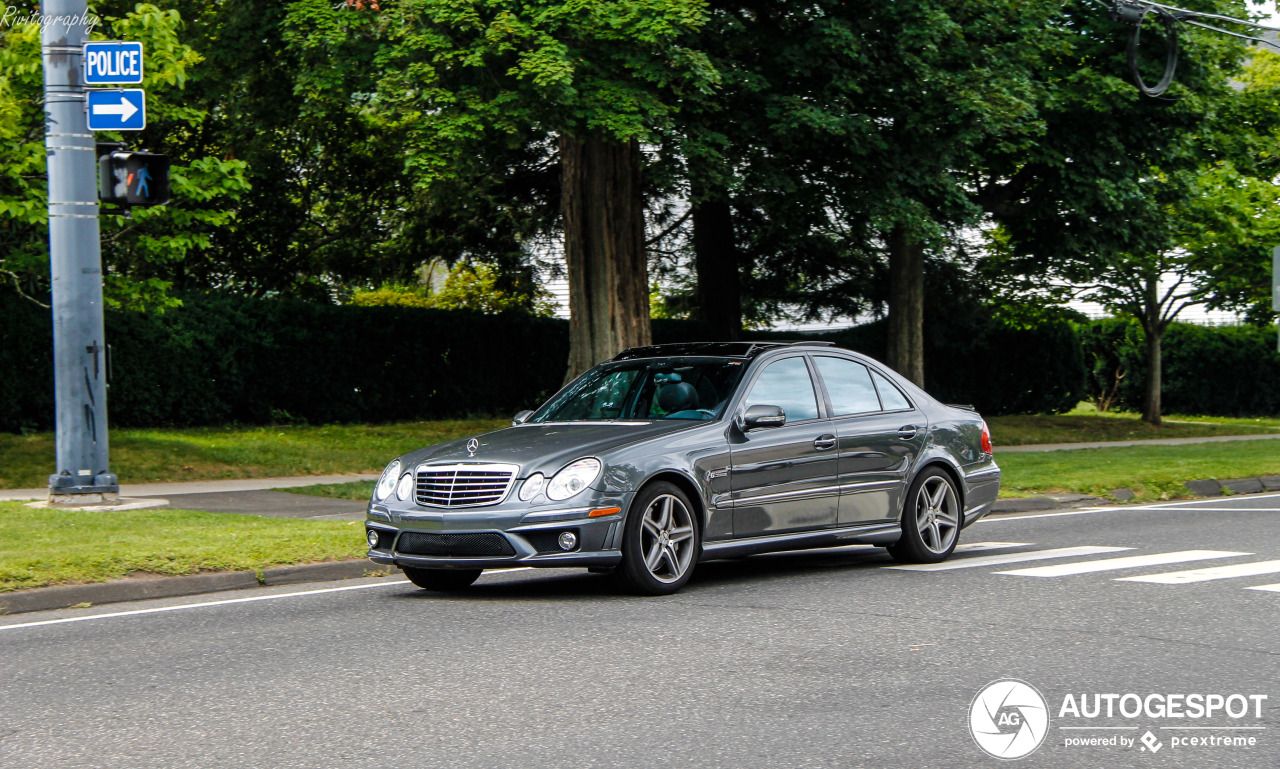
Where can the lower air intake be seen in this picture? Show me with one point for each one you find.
(454, 545)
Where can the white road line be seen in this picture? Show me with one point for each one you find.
(1116, 509)
(969, 547)
(1127, 562)
(1185, 502)
(1210, 509)
(202, 605)
(1270, 588)
(228, 601)
(996, 560)
(1204, 575)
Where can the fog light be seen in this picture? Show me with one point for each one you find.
(373, 538)
(568, 540)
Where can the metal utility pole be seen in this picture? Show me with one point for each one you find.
(75, 260)
(1275, 284)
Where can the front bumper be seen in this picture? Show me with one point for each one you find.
(506, 535)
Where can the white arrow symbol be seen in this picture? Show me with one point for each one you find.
(124, 109)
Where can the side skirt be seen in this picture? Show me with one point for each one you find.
(881, 535)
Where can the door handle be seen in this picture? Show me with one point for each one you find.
(824, 442)
(907, 432)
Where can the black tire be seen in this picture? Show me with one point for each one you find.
(661, 541)
(441, 580)
(931, 519)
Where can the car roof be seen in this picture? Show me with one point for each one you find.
(748, 350)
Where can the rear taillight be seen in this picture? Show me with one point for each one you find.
(986, 438)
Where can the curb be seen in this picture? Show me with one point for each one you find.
(1208, 487)
(1040, 504)
(139, 588)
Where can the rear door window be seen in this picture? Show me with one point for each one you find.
(848, 386)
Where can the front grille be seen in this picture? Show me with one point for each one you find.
(454, 545)
(547, 540)
(463, 485)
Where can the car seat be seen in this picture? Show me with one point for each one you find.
(680, 401)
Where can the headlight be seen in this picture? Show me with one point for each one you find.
(573, 479)
(405, 487)
(532, 487)
(387, 483)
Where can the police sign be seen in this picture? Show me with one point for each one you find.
(112, 63)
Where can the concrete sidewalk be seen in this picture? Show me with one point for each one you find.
(1033, 447)
(152, 490)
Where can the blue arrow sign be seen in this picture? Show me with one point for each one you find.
(112, 63)
(123, 109)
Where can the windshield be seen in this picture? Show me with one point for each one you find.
(657, 388)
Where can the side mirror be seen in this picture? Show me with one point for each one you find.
(520, 418)
(762, 415)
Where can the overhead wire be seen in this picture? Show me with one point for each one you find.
(1135, 12)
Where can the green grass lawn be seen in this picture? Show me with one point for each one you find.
(1086, 425)
(361, 490)
(52, 547)
(143, 456)
(1154, 472)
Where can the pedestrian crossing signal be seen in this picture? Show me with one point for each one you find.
(133, 179)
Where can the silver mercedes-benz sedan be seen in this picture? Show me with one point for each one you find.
(669, 455)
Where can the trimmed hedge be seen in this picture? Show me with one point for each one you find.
(997, 367)
(224, 359)
(1231, 371)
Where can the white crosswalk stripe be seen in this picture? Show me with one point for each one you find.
(1205, 575)
(969, 547)
(1272, 588)
(998, 560)
(1115, 564)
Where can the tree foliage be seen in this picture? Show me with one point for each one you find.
(1142, 205)
(466, 286)
(137, 252)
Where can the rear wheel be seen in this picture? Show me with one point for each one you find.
(661, 541)
(930, 519)
(441, 580)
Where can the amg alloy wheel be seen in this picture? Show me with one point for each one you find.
(661, 542)
(931, 519)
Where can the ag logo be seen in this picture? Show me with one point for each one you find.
(1009, 719)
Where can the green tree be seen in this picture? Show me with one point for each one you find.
(838, 149)
(467, 286)
(136, 251)
(1121, 189)
(591, 80)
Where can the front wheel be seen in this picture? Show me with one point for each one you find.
(441, 580)
(661, 541)
(930, 519)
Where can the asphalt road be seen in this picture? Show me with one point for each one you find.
(815, 659)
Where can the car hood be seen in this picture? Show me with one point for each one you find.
(546, 448)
